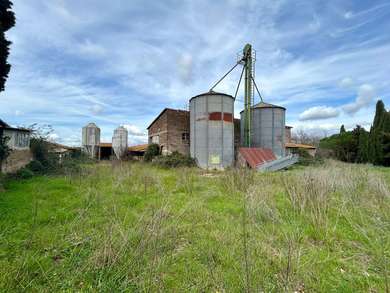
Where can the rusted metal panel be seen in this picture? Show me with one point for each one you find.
(227, 117)
(257, 156)
(215, 116)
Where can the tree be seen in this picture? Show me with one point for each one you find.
(303, 137)
(363, 148)
(7, 21)
(4, 149)
(380, 114)
(152, 151)
(378, 134)
(342, 129)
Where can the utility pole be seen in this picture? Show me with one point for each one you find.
(248, 65)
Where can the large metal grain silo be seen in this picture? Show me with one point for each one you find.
(212, 130)
(267, 127)
(91, 139)
(120, 142)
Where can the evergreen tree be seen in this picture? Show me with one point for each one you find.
(378, 133)
(380, 114)
(7, 21)
(342, 129)
(363, 147)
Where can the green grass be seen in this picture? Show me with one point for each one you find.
(134, 227)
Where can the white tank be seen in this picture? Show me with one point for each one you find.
(91, 139)
(119, 142)
(212, 130)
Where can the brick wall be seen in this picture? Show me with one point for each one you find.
(16, 160)
(287, 134)
(159, 128)
(169, 127)
(179, 128)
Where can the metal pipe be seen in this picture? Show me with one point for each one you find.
(224, 76)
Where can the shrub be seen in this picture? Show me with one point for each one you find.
(152, 151)
(25, 173)
(35, 166)
(40, 150)
(174, 160)
(305, 159)
(4, 149)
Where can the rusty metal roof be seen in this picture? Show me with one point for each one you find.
(257, 156)
(138, 148)
(299, 146)
(105, 144)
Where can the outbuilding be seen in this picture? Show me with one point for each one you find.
(19, 143)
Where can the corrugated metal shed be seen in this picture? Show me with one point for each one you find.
(257, 156)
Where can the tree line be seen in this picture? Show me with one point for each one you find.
(361, 146)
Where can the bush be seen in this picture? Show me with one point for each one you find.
(40, 150)
(25, 173)
(174, 160)
(36, 166)
(152, 151)
(305, 159)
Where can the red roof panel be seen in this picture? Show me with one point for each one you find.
(257, 156)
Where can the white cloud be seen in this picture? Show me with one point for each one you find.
(346, 83)
(96, 109)
(348, 15)
(366, 95)
(185, 67)
(318, 113)
(134, 130)
(92, 49)
(53, 137)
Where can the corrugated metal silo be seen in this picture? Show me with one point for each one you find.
(120, 142)
(267, 127)
(212, 130)
(91, 139)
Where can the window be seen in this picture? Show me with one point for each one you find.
(185, 137)
(21, 140)
(156, 139)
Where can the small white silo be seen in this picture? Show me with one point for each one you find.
(120, 142)
(91, 140)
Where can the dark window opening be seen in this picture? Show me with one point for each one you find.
(185, 137)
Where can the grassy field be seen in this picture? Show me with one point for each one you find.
(134, 227)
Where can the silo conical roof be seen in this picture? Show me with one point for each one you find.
(267, 105)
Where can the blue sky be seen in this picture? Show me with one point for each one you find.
(121, 63)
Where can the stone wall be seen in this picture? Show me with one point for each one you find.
(16, 160)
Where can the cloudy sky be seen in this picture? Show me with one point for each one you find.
(120, 62)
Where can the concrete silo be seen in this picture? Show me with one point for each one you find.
(120, 142)
(267, 127)
(212, 130)
(91, 140)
